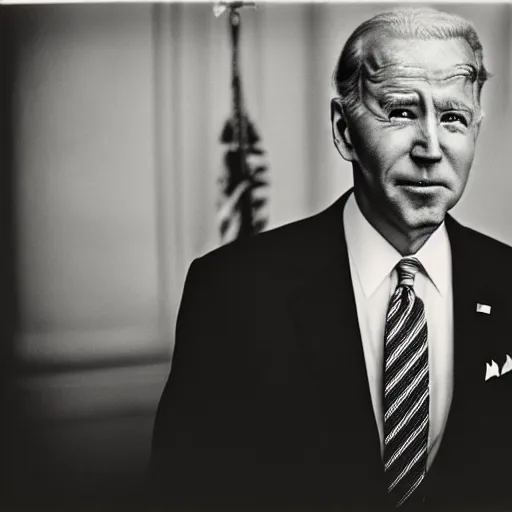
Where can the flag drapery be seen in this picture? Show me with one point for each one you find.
(243, 184)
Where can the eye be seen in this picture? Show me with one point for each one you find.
(402, 113)
(452, 117)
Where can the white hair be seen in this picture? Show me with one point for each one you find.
(409, 23)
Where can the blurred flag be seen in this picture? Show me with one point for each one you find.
(244, 190)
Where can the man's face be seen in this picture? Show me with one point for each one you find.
(412, 137)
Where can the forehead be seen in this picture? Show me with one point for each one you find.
(388, 58)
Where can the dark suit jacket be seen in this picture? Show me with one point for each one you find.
(268, 405)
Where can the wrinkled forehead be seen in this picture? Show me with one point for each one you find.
(390, 60)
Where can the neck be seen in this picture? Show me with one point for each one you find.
(406, 242)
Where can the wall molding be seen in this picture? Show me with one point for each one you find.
(168, 179)
(91, 348)
(93, 394)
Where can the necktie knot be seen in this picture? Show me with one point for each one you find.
(407, 269)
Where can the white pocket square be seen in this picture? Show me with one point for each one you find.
(493, 370)
(507, 365)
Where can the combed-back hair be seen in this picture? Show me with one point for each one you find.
(407, 23)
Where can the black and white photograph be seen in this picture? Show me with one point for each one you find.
(257, 256)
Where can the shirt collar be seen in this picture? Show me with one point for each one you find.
(364, 242)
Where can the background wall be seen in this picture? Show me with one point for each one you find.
(114, 153)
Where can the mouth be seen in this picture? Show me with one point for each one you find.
(419, 184)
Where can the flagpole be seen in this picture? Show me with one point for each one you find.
(240, 170)
(240, 213)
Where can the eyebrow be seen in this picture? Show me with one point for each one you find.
(412, 99)
(453, 104)
(399, 100)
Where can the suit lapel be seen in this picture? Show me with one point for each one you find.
(325, 315)
(470, 328)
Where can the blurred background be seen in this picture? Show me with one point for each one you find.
(110, 126)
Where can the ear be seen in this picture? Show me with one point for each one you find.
(479, 123)
(340, 132)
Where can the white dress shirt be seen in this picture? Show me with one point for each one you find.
(372, 267)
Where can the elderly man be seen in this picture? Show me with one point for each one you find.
(357, 359)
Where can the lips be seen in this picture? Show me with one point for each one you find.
(419, 183)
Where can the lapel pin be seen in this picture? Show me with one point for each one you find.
(491, 370)
(507, 366)
(483, 308)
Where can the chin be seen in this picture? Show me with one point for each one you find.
(420, 221)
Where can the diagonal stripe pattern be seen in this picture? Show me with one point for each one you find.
(406, 387)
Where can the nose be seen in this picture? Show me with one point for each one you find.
(426, 145)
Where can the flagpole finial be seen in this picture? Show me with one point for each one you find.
(219, 8)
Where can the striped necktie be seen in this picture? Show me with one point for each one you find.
(406, 387)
